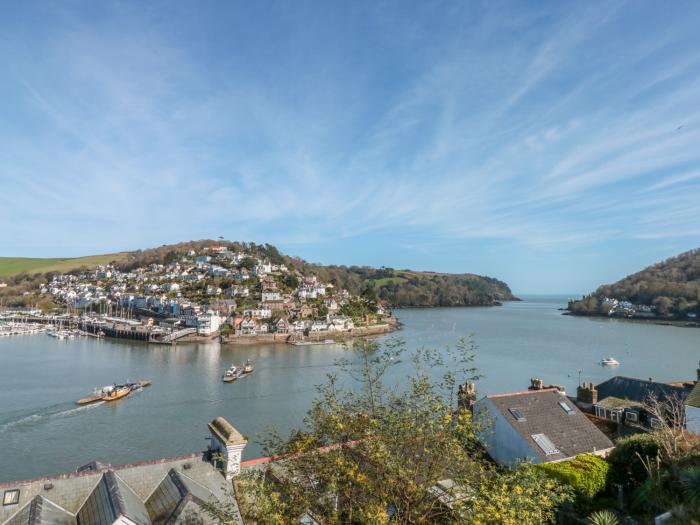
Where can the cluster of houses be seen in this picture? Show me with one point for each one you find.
(543, 424)
(620, 308)
(208, 290)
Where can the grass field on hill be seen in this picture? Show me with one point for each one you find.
(13, 265)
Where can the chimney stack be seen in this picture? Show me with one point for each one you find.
(536, 384)
(586, 393)
(228, 442)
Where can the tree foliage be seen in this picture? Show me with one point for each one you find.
(672, 286)
(372, 452)
(627, 460)
(586, 474)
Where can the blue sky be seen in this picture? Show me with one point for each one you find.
(554, 145)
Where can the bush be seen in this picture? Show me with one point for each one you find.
(586, 474)
(626, 467)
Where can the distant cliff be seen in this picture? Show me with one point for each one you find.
(669, 289)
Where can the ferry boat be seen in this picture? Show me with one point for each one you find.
(238, 372)
(232, 374)
(609, 361)
(112, 393)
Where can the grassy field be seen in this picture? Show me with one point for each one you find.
(13, 265)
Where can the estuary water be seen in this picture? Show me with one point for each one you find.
(43, 432)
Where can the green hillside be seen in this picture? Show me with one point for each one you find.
(10, 266)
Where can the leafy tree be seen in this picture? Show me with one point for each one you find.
(372, 452)
(628, 459)
(248, 263)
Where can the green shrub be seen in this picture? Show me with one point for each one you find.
(626, 467)
(586, 474)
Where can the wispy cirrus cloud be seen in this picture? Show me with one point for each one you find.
(544, 127)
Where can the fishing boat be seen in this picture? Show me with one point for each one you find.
(609, 361)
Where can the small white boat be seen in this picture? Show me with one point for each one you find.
(609, 361)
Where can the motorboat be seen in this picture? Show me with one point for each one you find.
(609, 361)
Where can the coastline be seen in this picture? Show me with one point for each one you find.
(391, 325)
(652, 320)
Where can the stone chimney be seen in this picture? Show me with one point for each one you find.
(466, 396)
(586, 393)
(536, 384)
(229, 443)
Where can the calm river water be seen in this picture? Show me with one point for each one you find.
(43, 432)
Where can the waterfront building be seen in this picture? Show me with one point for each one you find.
(208, 323)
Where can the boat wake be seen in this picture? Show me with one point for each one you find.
(50, 413)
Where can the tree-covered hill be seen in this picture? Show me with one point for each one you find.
(667, 289)
(399, 288)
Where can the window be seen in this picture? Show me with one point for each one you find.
(545, 444)
(10, 497)
(655, 423)
(517, 414)
(614, 415)
(631, 416)
(600, 412)
(566, 407)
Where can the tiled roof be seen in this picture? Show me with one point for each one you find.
(571, 432)
(639, 389)
(693, 399)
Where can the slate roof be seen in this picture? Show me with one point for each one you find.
(174, 495)
(571, 432)
(165, 491)
(640, 390)
(693, 398)
(40, 511)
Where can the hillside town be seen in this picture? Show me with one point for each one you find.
(218, 292)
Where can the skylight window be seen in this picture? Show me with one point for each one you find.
(517, 414)
(566, 407)
(545, 444)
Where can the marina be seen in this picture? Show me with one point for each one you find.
(42, 377)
